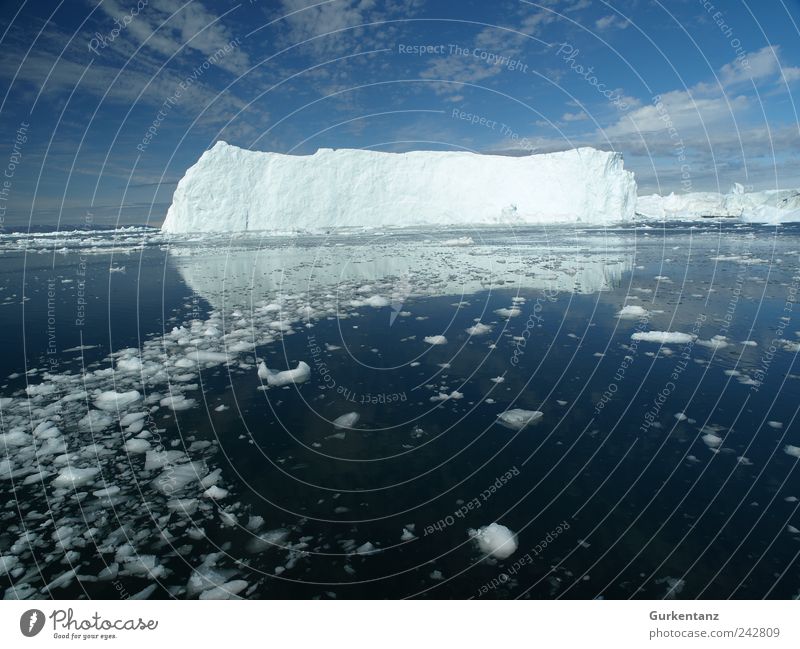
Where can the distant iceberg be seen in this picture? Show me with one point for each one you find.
(231, 189)
(771, 206)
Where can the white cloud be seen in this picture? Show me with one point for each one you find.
(164, 26)
(611, 21)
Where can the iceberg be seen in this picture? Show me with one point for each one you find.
(230, 189)
(771, 206)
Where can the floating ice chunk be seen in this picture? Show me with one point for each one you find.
(111, 401)
(14, 438)
(300, 374)
(775, 424)
(749, 343)
(377, 301)
(680, 416)
(228, 590)
(268, 540)
(95, 420)
(144, 565)
(347, 420)
(455, 394)
(794, 451)
(459, 241)
(129, 365)
(128, 419)
(113, 490)
(73, 477)
(478, 329)
(435, 340)
(136, 446)
(178, 402)
(632, 312)
(215, 493)
(498, 379)
(663, 337)
(711, 440)
(160, 459)
(186, 506)
(7, 563)
(366, 548)
(513, 312)
(716, 342)
(177, 478)
(407, 535)
(202, 356)
(517, 418)
(495, 540)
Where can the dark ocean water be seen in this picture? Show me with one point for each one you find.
(654, 471)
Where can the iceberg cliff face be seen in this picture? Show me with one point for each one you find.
(772, 206)
(233, 189)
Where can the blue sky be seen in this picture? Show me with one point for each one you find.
(106, 104)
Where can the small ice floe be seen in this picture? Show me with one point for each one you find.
(478, 329)
(716, 342)
(680, 416)
(498, 379)
(116, 269)
(136, 446)
(73, 477)
(494, 540)
(790, 345)
(460, 241)
(561, 403)
(790, 499)
(775, 424)
(276, 379)
(377, 301)
(455, 394)
(366, 548)
(348, 420)
(632, 312)
(517, 418)
(792, 529)
(435, 340)
(794, 451)
(749, 343)
(513, 312)
(711, 440)
(407, 535)
(111, 401)
(663, 337)
(178, 402)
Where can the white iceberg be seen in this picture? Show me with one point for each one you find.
(663, 337)
(770, 206)
(495, 540)
(233, 189)
(517, 418)
(276, 379)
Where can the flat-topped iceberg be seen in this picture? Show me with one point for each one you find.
(231, 189)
